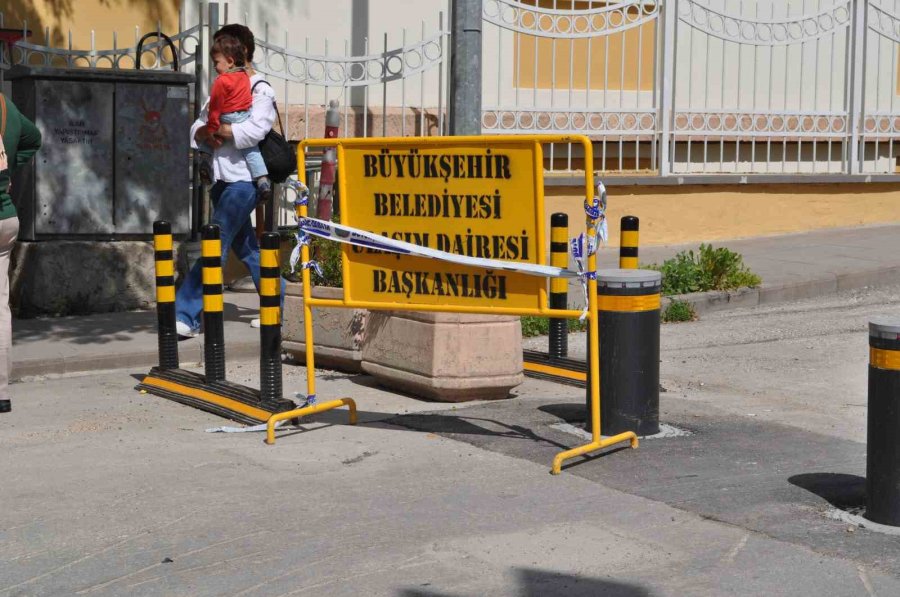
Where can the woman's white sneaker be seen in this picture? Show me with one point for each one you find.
(184, 330)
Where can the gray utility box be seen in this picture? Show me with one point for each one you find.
(115, 153)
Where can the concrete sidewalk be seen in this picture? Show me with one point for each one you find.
(792, 267)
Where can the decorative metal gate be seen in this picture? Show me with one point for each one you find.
(881, 112)
(591, 70)
(761, 87)
(668, 88)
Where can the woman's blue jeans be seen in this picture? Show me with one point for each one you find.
(233, 203)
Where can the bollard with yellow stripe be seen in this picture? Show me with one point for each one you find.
(163, 250)
(213, 303)
(559, 287)
(628, 242)
(883, 445)
(209, 392)
(270, 318)
(628, 305)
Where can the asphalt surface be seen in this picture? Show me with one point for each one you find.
(110, 492)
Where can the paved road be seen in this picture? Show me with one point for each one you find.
(109, 492)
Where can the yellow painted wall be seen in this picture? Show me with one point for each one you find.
(81, 16)
(607, 68)
(694, 214)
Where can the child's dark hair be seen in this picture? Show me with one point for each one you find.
(243, 33)
(230, 47)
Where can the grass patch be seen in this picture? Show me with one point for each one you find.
(708, 269)
(679, 311)
(540, 326)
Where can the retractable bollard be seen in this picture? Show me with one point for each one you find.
(628, 242)
(559, 296)
(213, 304)
(270, 319)
(628, 302)
(883, 444)
(165, 294)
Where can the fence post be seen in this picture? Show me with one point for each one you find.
(213, 27)
(559, 287)
(213, 304)
(669, 15)
(629, 245)
(465, 68)
(163, 250)
(270, 319)
(857, 83)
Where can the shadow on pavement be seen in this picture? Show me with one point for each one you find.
(570, 412)
(838, 489)
(545, 583)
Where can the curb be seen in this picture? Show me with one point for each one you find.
(767, 294)
(190, 353)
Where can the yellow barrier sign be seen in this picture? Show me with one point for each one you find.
(478, 199)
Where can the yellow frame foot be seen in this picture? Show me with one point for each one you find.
(594, 445)
(308, 410)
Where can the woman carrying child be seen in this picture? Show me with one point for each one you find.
(233, 194)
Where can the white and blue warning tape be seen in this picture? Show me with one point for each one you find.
(582, 246)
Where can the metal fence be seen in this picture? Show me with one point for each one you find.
(669, 90)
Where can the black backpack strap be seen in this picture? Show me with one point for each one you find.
(274, 104)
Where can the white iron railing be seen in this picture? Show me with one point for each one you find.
(665, 88)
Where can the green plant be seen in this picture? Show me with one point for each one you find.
(709, 269)
(540, 326)
(328, 255)
(679, 311)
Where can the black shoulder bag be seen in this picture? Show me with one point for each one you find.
(277, 153)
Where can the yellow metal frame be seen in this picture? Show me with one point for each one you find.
(597, 442)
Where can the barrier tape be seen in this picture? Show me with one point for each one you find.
(597, 232)
(361, 238)
(248, 429)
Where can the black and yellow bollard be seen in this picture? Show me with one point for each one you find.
(628, 303)
(213, 304)
(559, 296)
(628, 242)
(165, 295)
(270, 318)
(883, 445)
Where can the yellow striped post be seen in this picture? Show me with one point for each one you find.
(883, 445)
(213, 303)
(165, 295)
(559, 296)
(628, 242)
(270, 319)
(628, 303)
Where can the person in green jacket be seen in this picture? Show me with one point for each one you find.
(20, 141)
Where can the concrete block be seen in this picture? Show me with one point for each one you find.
(448, 357)
(337, 333)
(63, 277)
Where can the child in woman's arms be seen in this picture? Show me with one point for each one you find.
(229, 102)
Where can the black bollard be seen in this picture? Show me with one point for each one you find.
(628, 242)
(165, 295)
(270, 319)
(559, 296)
(213, 304)
(883, 446)
(628, 302)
